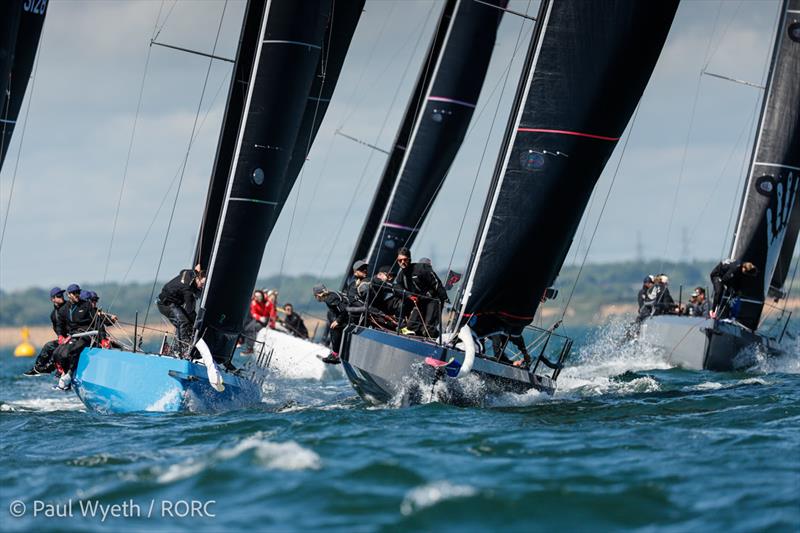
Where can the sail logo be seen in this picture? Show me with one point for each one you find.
(36, 7)
(778, 213)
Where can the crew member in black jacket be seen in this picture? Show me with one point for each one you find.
(426, 297)
(337, 319)
(44, 361)
(80, 318)
(177, 302)
(732, 276)
(294, 322)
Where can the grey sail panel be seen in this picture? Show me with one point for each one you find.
(16, 63)
(231, 122)
(772, 190)
(441, 125)
(782, 269)
(286, 58)
(391, 169)
(586, 68)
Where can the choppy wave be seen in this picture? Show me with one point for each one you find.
(266, 454)
(431, 494)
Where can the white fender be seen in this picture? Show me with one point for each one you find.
(465, 334)
(214, 376)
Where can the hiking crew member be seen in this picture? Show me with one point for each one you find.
(44, 361)
(382, 295)
(427, 294)
(337, 319)
(356, 292)
(294, 322)
(258, 318)
(731, 277)
(80, 317)
(177, 302)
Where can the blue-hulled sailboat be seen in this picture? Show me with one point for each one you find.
(277, 58)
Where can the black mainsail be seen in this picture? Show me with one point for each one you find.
(586, 69)
(231, 122)
(772, 191)
(338, 35)
(286, 57)
(380, 199)
(442, 119)
(21, 26)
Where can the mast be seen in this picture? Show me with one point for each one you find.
(587, 66)
(21, 23)
(392, 167)
(440, 126)
(772, 192)
(286, 56)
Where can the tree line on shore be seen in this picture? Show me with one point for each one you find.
(599, 284)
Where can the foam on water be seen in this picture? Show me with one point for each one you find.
(67, 402)
(170, 398)
(431, 494)
(269, 455)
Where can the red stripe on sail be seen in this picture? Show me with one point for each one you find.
(567, 132)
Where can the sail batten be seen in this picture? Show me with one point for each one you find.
(586, 69)
(766, 231)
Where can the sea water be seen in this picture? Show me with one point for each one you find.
(627, 443)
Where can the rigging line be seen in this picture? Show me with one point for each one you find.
(185, 162)
(127, 163)
(157, 31)
(505, 78)
(164, 198)
(688, 137)
(324, 69)
(130, 145)
(396, 94)
(367, 63)
(602, 210)
(722, 174)
(713, 52)
(21, 140)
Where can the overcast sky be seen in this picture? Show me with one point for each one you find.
(83, 103)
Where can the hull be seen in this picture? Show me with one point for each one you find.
(697, 343)
(385, 367)
(114, 381)
(293, 358)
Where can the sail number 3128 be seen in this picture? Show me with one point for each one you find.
(36, 7)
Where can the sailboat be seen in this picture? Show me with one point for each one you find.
(586, 67)
(766, 231)
(277, 58)
(21, 23)
(434, 125)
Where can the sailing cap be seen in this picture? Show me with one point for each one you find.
(358, 265)
(425, 261)
(85, 295)
(93, 296)
(695, 293)
(56, 291)
(319, 289)
(74, 288)
(648, 279)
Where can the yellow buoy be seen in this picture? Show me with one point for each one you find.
(25, 348)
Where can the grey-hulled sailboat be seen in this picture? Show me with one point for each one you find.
(766, 231)
(586, 67)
